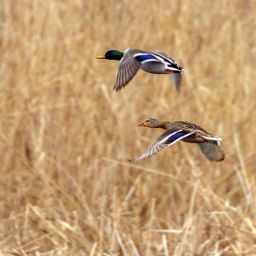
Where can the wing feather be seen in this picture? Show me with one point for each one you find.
(176, 78)
(165, 140)
(165, 56)
(212, 151)
(127, 70)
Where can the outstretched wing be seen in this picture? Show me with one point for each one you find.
(176, 75)
(212, 150)
(208, 136)
(176, 78)
(128, 68)
(165, 140)
(165, 57)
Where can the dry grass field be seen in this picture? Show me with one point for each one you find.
(65, 136)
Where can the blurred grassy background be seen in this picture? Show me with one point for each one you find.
(66, 187)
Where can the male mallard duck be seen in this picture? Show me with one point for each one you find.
(131, 60)
(184, 131)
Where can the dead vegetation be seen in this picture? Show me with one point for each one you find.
(66, 187)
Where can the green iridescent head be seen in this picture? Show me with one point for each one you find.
(112, 55)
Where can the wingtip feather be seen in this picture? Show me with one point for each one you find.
(177, 78)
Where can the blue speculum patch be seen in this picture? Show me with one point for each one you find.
(175, 136)
(144, 57)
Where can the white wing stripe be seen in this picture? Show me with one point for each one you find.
(158, 145)
(212, 138)
(180, 138)
(140, 54)
(167, 137)
(164, 58)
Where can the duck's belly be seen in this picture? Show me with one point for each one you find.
(155, 68)
(194, 139)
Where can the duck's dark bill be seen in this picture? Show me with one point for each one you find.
(141, 124)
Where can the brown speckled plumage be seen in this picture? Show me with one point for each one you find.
(186, 132)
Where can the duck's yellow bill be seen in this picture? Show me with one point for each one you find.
(101, 57)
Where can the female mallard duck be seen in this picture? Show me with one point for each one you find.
(184, 131)
(131, 60)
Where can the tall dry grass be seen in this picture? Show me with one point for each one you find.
(66, 187)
